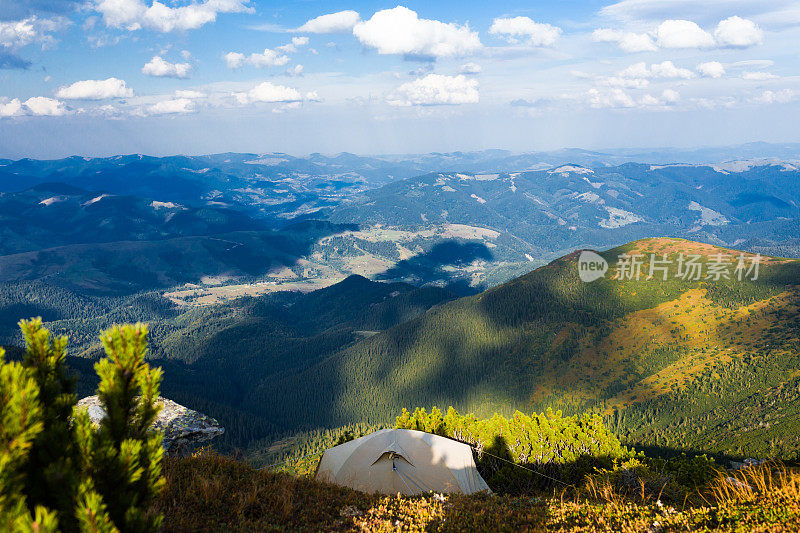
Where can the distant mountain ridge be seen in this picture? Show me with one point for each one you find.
(56, 214)
(550, 212)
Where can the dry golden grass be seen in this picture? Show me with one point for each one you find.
(215, 493)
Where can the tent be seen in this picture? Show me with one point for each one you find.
(405, 461)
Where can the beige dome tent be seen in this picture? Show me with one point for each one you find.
(402, 460)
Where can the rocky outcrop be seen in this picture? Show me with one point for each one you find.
(183, 428)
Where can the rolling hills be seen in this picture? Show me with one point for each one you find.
(706, 365)
(703, 364)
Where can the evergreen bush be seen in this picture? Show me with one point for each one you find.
(57, 471)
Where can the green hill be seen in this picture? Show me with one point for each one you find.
(711, 365)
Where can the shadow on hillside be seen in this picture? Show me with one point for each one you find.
(438, 266)
(127, 267)
(488, 352)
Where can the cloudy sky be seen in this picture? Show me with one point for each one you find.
(102, 77)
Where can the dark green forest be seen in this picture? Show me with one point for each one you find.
(710, 366)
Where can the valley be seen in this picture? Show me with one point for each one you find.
(451, 288)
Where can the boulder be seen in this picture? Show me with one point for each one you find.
(183, 428)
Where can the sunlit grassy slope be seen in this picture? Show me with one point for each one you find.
(706, 364)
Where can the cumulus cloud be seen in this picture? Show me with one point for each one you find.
(733, 32)
(15, 34)
(665, 69)
(160, 68)
(292, 47)
(682, 34)
(135, 14)
(177, 106)
(613, 98)
(38, 105)
(268, 58)
(43, 106)
(627, 41)
(296, 70)
(470, 69)
(711, 69)
(95, 90)
(436, 89)
(401, 31)
(777, 97)
(618, 98)
(271, 93)
(11, 108)
(525, 29)
(341, 22)
(737, 32)
(670, 96)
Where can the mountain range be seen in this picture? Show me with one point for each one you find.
(288, 295)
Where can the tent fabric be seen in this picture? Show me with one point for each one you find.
(405, 461)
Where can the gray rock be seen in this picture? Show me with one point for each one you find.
(183, 428)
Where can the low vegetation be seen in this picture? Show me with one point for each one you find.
(210, 492)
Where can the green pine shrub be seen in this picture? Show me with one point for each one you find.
(555, 451)
(57, 471)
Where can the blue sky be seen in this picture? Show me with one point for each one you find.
(102, 77)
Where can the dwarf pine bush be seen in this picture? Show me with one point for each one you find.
(58, 472)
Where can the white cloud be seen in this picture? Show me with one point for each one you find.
(627, 41)
(190, 94)
(401, 31)
(95, 90)
(43, 106)
(271, 93)
(470, 69)
(292, 47)
(737, 32)
(341, 22)
(436, 89)
(670, 96)
(18, 33)
(682, 34)
(177, 106)
(618, 98)
(613, 98)
(268, 58)
(758, 76)
(628, 83)
(711, 69)
(665, 69)
(777, 97)
(38, 105)
(161, 68)
(11, 108)
(524, 28)
(135, 14)
(296, 70)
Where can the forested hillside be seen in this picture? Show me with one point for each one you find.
(705, 364)
(216, 357)
(690, 364)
